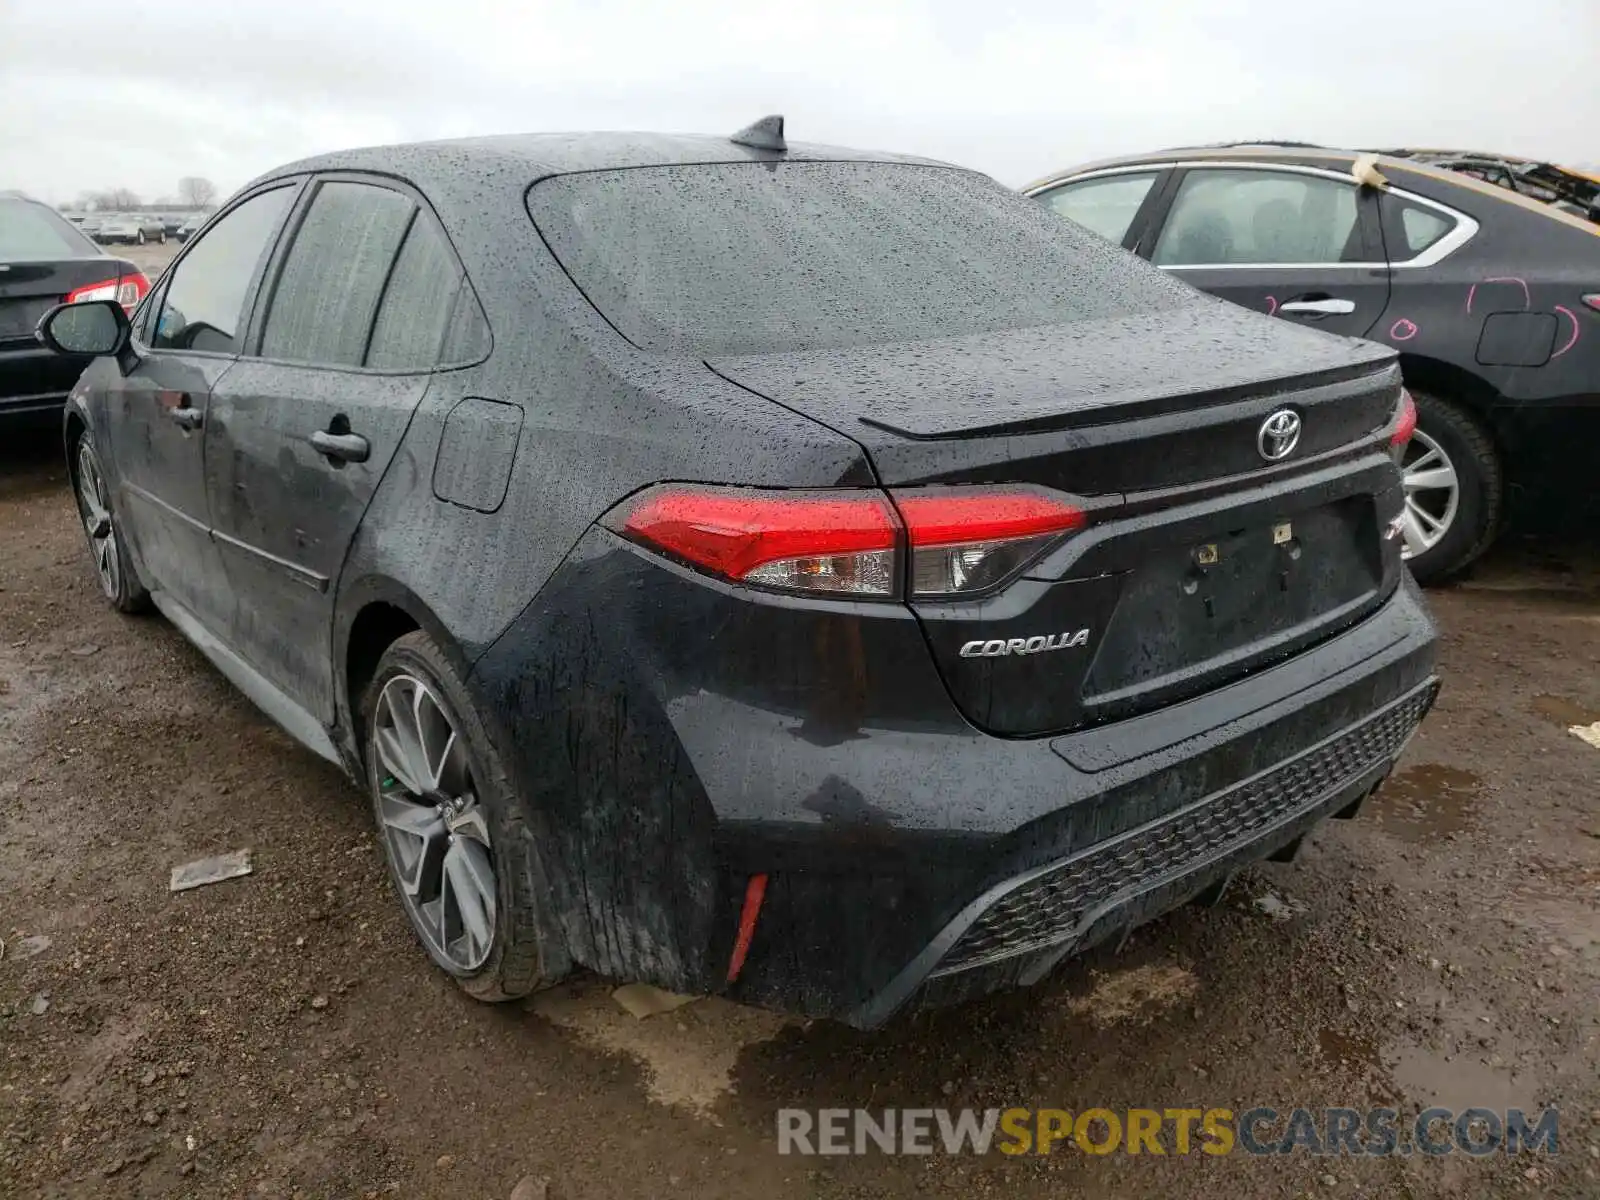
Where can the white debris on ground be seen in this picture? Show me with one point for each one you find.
(210, 870)
(1587, 733)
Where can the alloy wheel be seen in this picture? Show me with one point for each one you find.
(97, 522)
(437, 833)
(1433, 494)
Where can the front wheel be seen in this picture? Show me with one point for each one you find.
(161, 238)
(118, 579)
(460, 853)
(1453, 490)
(138, 238)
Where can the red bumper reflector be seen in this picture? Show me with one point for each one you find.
(754, 892)
(1405, 421)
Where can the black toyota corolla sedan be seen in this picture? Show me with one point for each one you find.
(1491, 298)
(818, 577)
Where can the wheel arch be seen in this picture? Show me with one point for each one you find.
(373, 613)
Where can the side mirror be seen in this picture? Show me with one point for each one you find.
(93, 327)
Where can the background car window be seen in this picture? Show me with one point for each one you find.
(327, 294)
(31, 232)
(1106, 205)
(1422, 227)
(1231, 217)
(203, 305)
(416, 304)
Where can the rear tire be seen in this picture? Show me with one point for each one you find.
(118, 579)
(447, 813)
(1448, 436)
(138, 238)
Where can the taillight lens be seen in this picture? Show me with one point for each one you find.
(960, 541)
(1592, 300)
(837, 542)
(966, 540)
(126, 290)
(1404, 424)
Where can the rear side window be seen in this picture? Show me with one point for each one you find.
(30, 232)
(1255, 218)
(333, 276)
(417, 303)
(1106, 205)
(1421, 228)
(747, 258)
(203, 306)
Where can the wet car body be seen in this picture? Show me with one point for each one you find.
(816, 801)
(1497, 318)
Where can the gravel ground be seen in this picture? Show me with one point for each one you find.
(281, 1034)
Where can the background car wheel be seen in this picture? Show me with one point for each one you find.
(138, 238)
(1453, 487)
(460, 853)
(161, 238)
(118, 580)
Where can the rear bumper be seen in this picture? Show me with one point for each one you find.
(673, 738)
(34, 382)
(1015, 932)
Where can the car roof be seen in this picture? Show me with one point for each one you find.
(538, 155)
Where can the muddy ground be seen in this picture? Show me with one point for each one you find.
(282, 1035)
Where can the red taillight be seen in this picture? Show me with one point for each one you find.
(960, 540)
(126, 290)
(805, 541)
(1405, 422)
(1593, 301)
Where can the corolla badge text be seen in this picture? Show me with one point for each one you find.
(1038, 644)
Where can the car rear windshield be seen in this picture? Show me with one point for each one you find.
(30, 232)
(749, 258)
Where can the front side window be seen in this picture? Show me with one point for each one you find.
(203, 308)
(1106, 205)
(1241, 217)
(332, 279)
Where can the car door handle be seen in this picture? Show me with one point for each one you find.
(346, 447)
(186, 418)
(1328, 307)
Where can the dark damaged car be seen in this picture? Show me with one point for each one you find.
(1490, 296)
(821, 578)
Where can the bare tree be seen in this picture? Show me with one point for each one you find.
(197, 191)
(122, 198)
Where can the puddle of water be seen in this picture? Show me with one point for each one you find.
(1564, 712)
(1427, 802)
(1462, 1081)
(1348, 1050)
(688, 1054)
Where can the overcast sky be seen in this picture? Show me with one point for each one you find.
(97, 94)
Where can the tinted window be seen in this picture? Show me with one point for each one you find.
(204, 303)
(751, 257)
(333, 275)
(30, 231)
(1106, 205)
(417, 303)
(1243, 217)
(1421, 228)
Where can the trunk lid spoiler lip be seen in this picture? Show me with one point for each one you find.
(1053, 377)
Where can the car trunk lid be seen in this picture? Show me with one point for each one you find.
(1201, 561)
